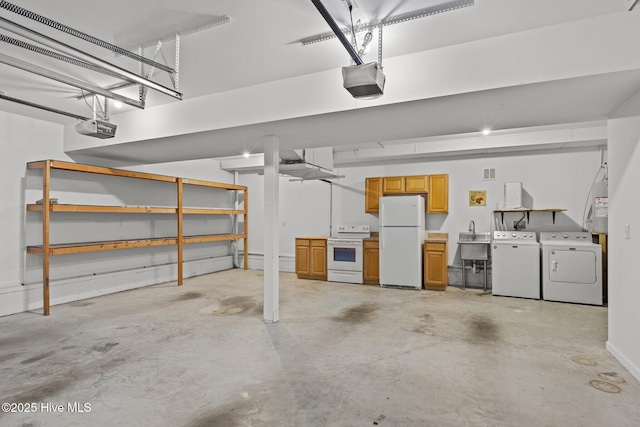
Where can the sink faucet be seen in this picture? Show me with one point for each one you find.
(472, 229)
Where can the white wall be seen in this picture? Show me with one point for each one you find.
(85, 275)
(558, 179)
(304, 211)
(624, 291)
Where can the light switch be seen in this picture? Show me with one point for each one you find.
(627, 231)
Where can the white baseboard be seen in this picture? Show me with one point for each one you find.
(631, 367)
(287, 262)
(26, 298)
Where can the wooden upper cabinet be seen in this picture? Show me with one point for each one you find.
(418, 184)
(435, 186)
(438, 199)
(372, 193)
(393, 185)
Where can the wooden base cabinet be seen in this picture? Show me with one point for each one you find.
(435, 266)
(371, 262)
(311, 258)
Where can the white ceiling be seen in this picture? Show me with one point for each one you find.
(260, 44)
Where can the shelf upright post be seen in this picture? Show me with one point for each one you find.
(180, 239)
(246, 228)
(46, 216)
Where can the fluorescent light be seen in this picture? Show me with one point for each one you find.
(486, 132)
(245, 154)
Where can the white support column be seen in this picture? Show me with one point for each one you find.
(271, 235)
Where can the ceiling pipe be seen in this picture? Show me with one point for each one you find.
(77, 53)
(336, 30)
(35, 69)
(79, 34)
(42, 107)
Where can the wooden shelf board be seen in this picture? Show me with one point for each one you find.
(210, 211)
(212, 238)
(213, 184)
(75, 248)
(131, 209)
(100, 208)
(56, 164)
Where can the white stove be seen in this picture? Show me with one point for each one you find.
(344, 253)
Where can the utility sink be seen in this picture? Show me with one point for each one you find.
(471, 249)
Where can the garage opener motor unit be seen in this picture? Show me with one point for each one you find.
(96, 128)
(364, 81)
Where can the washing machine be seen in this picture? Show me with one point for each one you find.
(515, 264)
(571, 268)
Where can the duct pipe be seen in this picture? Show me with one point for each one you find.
(83, 56)
(336, 30)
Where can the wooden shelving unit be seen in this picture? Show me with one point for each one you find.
(48, 249)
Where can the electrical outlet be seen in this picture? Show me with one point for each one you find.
(519, 225)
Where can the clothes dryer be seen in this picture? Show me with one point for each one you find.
(571, 268)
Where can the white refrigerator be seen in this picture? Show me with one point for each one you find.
(401, 237)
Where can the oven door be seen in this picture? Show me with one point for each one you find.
(344, 255)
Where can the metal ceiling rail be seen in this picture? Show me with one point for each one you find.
(396, 19)
(56, 55)
(42, 107)
(86, 37)
(77, 53)
(35, 69)
(337, 31)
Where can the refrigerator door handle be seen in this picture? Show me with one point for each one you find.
(381, 239)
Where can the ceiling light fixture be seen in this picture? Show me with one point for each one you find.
(245, 154)
(486, 131)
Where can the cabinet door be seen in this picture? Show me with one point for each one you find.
(371, 265)
(319, 261)
(435, 267)
(393, 185)
(438, 201)
(303, 258)
(372, 193)
(417, 184)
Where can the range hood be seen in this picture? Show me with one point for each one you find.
(305, 164)
(313, 163)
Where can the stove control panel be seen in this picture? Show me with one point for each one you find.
(353, 228)
(361, 231)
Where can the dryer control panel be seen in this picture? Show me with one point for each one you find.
(565, 236)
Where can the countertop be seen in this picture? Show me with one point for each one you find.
(437, 238)
(313, 237)
(431, 238)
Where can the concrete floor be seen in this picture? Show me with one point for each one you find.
(341, 355)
